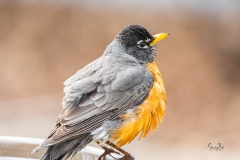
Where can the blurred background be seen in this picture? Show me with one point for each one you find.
(42, 43)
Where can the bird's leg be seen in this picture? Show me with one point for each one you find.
(127, 156)
(107, 151)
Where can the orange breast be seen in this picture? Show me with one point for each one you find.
(147, 116)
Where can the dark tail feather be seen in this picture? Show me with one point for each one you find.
(62, 151)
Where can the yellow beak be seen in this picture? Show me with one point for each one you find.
(158, 37)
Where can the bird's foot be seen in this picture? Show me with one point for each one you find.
(127, 157)
(111, 154)
(108, 152)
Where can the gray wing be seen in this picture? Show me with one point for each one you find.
(105, 99)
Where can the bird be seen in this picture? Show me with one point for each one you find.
(112, 100)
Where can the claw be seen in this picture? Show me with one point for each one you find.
(110, 152)
(113, 154)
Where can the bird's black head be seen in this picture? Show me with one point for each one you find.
(137, 42)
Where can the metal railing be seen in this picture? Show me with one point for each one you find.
(20, 148)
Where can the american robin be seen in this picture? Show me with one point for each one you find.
(111, 100)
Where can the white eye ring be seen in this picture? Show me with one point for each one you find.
(142, 44)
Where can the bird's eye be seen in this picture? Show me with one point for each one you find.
(142, 44)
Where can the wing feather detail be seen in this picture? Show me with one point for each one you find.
(91, 98)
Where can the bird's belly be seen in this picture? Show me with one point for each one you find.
(102, 133)
(147, 116)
